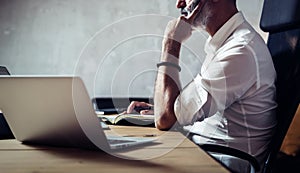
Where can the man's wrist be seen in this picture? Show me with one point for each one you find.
(172, 47)
(169, 64)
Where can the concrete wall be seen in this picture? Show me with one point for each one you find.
(113, 45)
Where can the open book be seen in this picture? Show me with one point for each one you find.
(128, 119)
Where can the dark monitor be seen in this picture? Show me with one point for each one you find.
(4, 71)
(115, 105)
(5, 132)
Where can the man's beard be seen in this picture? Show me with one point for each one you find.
(203, 17)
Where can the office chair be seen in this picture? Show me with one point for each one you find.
(282, 20)
(5, 132)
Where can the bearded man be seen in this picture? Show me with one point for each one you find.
(231, 102)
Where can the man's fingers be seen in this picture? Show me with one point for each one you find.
(134, 104)
(131, 107)
(147, 112)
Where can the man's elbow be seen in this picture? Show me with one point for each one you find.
(165, 122)
(161, 126)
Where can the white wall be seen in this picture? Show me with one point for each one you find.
(112, 44)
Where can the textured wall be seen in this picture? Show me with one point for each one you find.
(112, 44)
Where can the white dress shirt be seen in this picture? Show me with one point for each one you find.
(231, 102)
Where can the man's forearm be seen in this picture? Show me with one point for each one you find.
(167, 86)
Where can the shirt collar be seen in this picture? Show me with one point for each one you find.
(215, 42)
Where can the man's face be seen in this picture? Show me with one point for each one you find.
(183, 3)
(203, 16)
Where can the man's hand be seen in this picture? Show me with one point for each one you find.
(180, 29)
(135, 104)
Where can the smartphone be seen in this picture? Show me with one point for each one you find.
(188, 10)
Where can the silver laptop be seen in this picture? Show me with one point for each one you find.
(55, 111)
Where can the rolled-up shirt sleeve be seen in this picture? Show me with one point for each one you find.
(224, 82)
(189, 102)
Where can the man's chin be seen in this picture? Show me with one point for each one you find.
(197, 26)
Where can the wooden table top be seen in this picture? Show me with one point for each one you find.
(171, 152)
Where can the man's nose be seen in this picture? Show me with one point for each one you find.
(180, 4)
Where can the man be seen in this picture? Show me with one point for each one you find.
(231, 101)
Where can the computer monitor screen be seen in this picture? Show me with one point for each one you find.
(4, 71)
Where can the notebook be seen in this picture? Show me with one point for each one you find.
(128, 119)
(56, 111)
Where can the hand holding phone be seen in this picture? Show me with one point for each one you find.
(187, 10)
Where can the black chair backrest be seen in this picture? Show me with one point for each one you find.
(282, 20)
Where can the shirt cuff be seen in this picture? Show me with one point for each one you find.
(188, 104)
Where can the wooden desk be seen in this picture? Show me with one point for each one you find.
(172, 153)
